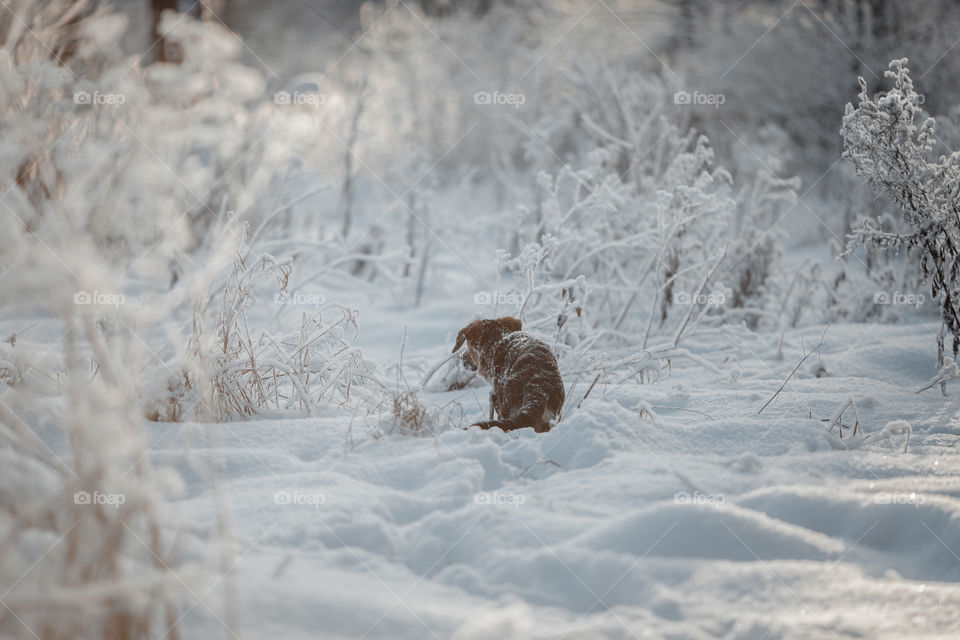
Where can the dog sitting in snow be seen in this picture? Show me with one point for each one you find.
(527, 387)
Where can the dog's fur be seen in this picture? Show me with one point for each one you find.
(527, 387)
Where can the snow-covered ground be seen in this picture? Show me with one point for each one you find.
(770, 483)
(669, 510)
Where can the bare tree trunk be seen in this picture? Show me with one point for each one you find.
(206, 10)
(165, 53)
(347, 192)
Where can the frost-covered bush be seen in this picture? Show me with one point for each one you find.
(85, 547)
(411, 129)
(231, 369)
(126, 289)
(647, 223)
(751, 276)
(792, 63)
(591, 224)
(890, 141)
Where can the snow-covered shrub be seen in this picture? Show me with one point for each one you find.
(591, 229)
(751, 274)
(641, 238)
(86, 547)
(792, 63)
(754, 275)
(117, 244)
(612, 265)
(242, 370)
(425, 130)
(887, 145)
(411, 416)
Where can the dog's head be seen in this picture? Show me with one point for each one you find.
(482, 333)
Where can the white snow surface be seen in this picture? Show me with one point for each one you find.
(669, 510)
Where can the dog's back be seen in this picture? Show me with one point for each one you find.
(527, 387)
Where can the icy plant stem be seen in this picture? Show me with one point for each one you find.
(805, 357)
(693, 307)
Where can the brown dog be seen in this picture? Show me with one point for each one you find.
(527, 387)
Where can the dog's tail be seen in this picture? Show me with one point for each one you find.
(488, 424)
(510, 425)
(460, 338)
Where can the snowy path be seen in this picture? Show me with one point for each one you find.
(680, 525)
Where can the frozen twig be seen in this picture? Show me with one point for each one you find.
(806, 356)
(949, 371)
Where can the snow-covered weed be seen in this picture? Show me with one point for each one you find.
(887, 145)
(410, 414)
(633, 246)
(85, 550)
(116, 238)
(253, 370)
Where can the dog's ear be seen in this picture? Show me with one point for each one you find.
(460, 338)
(511, 324)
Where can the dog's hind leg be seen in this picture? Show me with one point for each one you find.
(533, 414)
